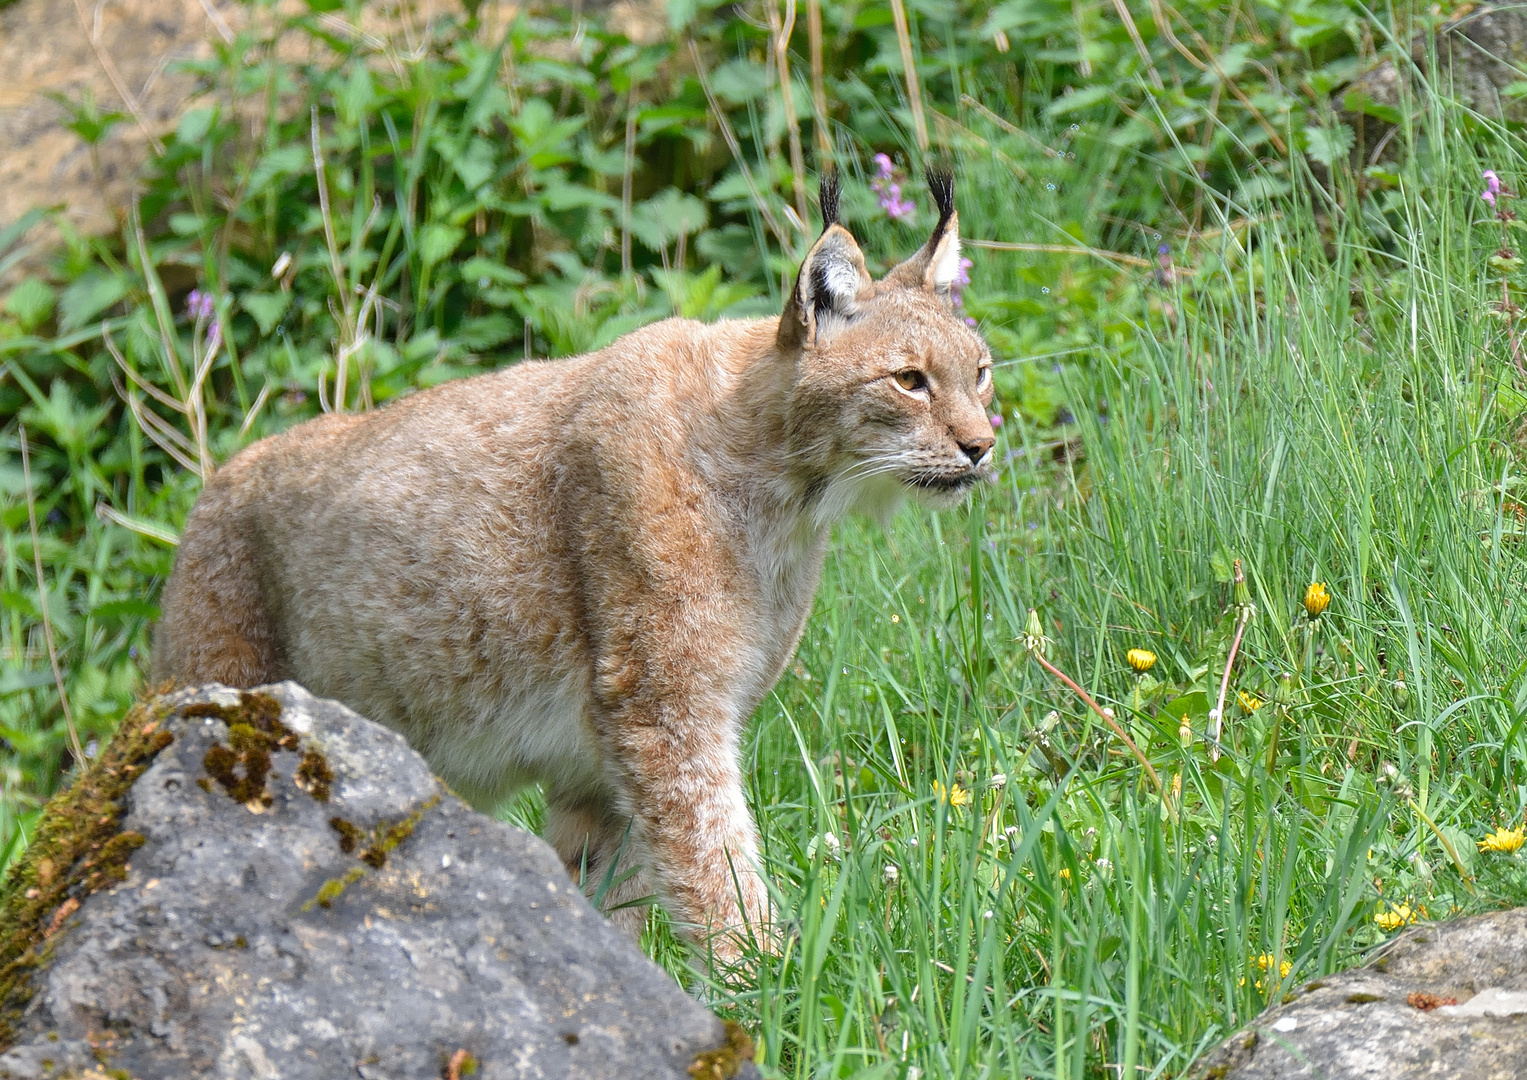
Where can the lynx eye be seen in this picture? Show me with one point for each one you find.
(983, 377)
(911, 379)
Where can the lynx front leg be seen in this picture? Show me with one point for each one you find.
(686, 789)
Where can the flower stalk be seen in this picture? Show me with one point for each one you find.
(1034, 643)
(1245, 612)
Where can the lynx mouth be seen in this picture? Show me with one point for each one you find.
(947, 483)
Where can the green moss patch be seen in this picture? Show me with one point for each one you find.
(380, 842)
(78, 848)
(314, 775)
(726, 1060)
(255, 732)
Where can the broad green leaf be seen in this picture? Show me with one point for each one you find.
(738, 82)
(194, 125)
(477, 164)
(1328, 145)
(285, 161)
(266, 308)
(437, 241)
(122, 610)
(89, 296)
(31, 302)
(666, 216)
(487, 332)
(1079, 101)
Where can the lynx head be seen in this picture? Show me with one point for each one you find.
(890, 386)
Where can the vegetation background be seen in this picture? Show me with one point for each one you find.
(1256, 330)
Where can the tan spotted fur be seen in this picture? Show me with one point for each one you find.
(588, 572)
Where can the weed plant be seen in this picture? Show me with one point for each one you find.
(1240, 355)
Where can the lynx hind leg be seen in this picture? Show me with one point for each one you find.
(213, 626)
(598, 847)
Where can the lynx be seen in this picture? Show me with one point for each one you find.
(588, 572)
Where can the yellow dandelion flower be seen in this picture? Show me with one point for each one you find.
(954, 796)
(1142, 660)
(1249, 702)
(1176, 787)
(1185, 732)
(1396, 917)
(1504, 840)
(1265, 961)
(1065, 872)
(1316, 599)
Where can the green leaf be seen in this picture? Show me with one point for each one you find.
(194, 125)
(358, 93)
(16, 682)
(1357, 101)
(31, 302)
(284, 161)
(437, 241)
(486, 272)
(1079, 100)
(477, 165)
(1328, 145)
(266, 308)
(681, 13)
(666, 216)
(122, 610)
(738, 82)
(89, 296)
(20, 602)
(486, 332)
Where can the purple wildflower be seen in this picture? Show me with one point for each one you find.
(1164, 274)
(889, 190)
(200, 305)
(996, 420)
(1492, 187)
(958, 286)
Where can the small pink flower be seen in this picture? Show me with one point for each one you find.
(957, 287)
(200, 305)
(996, 420)
(884, 184)
(1492, 187)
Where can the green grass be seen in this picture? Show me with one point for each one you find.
(1322, 390)
(1321, 409)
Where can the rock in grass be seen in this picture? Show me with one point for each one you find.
(1446, 1002)
(264, 884)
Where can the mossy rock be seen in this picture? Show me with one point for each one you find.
(263, 883)
(1445, 1002)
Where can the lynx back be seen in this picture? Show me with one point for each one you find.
(588, 572)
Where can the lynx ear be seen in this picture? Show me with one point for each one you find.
(828, 286)
(937, 263)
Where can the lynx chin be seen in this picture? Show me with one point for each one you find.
(588, 572)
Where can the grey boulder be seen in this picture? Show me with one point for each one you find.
(341, 915)
(1445, 1001)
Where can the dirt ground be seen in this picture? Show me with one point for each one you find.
(75, 47)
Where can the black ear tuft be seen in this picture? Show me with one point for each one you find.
(941, 187)
(827, 197)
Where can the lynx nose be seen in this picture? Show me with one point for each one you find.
(976, 449)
